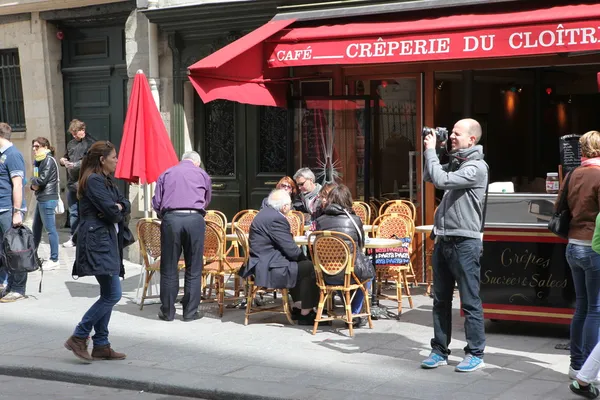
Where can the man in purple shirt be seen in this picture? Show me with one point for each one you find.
(181, 197)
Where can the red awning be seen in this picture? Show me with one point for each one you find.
(562, 29)
(237, 71)
(249, 70)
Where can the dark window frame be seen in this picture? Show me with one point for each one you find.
(12, 110)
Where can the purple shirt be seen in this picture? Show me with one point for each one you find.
(182, 187)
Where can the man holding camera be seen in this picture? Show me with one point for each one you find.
(458, 241)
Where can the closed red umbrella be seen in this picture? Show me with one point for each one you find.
(146, 149)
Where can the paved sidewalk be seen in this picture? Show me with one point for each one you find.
(223, 359)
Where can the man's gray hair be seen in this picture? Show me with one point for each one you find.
(306, 173)
(191, 155)
(278, 198)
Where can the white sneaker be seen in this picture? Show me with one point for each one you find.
(573, 375)
(69, 243)
(12, 297)
(50, 265)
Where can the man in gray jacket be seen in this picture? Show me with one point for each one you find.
(458, 242)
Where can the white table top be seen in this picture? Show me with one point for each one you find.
(371, 243)
(366, 228)
(424, 228)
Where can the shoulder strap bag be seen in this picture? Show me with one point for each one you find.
(60, 206)
(363, 268)
(561, 219)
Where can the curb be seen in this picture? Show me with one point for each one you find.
(86, 378)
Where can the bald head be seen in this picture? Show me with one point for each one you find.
(280, 200)
(466, 133)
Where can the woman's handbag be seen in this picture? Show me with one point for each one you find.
(60, 206)
(363, 268)
(561, 219)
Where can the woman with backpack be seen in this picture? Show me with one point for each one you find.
(45, 183)
(100, 240)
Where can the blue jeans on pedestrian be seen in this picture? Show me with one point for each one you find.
(73, 210)
(98, 316)
(585, 325)
(45, 216)
(457, 259)
(14, 281)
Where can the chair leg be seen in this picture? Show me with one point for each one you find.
(399, 283)
(348, 307)
(221, 294)
(149, 275)
(367, 305)
(413, 275)
(319, 311)
(407, 290)
(285, 298)
(210, 286)
(249, 299)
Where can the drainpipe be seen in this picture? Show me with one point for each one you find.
(154, 82)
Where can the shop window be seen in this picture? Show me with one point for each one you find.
(11, 92)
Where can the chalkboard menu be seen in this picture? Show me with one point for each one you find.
(526, 274)
(393, 256)
(570, 152)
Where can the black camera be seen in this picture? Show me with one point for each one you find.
(440, 133)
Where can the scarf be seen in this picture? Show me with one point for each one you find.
(590, 162)
(41, 154)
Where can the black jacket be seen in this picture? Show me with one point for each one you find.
(273, 252)
(99, 246)
(335, 219)
(47, 180)
(75, 151)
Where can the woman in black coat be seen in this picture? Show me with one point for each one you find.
(338, 216)
(102, 212)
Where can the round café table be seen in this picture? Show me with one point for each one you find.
(426, 229)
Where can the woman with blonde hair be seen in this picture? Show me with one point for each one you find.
(583, 199)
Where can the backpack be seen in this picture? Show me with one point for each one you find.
(19, 252)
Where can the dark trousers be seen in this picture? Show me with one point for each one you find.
(177, 232)
(457, 259)
(73, 204)
(306, 290)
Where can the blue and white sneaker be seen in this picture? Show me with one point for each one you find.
(470, 363)
(433, 361)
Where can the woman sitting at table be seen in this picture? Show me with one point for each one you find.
(286, 183)
(338, 216)
(322, 201)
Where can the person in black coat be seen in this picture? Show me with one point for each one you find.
(277, 262)
(99, 253)
(338, 216)
(45, 184)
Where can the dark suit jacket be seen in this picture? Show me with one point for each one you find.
(273, 252)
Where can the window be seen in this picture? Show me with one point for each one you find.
(11, 91)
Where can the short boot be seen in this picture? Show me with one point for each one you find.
(79, 347)
(106, 353)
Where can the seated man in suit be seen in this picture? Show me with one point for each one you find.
(277, 262)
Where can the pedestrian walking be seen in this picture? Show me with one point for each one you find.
(99, 248)
(45, 184)
(12, 175)
(76, 149)
(182, 194)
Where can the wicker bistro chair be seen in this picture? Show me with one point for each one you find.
(302, 219)
(148, 231)
(331, 255)
(363, 210)
(403, 207)
(217, 265)
(252, 290)
(217, 217)
(401, 227)
(296, 224)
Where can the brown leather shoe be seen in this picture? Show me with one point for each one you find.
(79, 347)
(106, 353)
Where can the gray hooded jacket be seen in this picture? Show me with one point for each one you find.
(464, 180)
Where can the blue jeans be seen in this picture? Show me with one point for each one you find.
(73, 210)
(585, 267)
(98, 316)
(14, 281)
(457, 259)
(44, 216)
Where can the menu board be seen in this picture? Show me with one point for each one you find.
(570, 152)
(393, 256)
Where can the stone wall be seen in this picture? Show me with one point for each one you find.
(40, 57)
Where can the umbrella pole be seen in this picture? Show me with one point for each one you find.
(146, 200)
